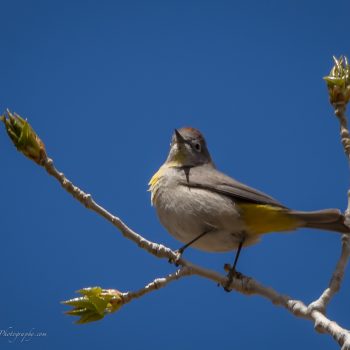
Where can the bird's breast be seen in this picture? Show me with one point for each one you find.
(188, 212)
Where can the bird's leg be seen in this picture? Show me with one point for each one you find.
(182, 249)
(233, 271)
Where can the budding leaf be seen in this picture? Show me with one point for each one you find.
(94, 304)
(338, 81)
(24, 137)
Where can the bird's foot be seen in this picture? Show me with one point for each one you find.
(175, 260)
(232, 273)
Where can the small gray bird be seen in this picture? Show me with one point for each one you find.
(208, 210)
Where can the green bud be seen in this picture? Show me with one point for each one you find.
(24, 137)
(94, 304)
(338, 81)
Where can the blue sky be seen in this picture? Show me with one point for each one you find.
(104, 83)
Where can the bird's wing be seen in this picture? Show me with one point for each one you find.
(208, 178)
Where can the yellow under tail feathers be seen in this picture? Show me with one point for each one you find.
(263, 218)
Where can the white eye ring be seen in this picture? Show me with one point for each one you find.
(197, 146)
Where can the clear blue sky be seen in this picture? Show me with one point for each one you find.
(105, 83)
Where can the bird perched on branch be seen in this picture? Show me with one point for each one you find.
(206, 209)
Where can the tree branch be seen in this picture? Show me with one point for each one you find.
(96, 302)
(156, 284)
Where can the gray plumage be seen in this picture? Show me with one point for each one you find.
(192, 197)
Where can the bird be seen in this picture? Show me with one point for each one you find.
(211, 211)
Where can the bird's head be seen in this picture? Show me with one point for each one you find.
(188, 148)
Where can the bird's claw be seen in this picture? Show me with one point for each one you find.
(233, 273)
(175, 260)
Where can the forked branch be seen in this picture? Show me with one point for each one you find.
(94, 303)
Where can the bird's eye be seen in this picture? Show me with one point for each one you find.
(197, 147)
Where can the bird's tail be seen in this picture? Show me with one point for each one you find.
(328, 219)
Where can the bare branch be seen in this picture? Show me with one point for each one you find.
(156, 284)
(248, 286)
(334, 285)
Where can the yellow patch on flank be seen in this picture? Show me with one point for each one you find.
(260, 218)
(155, 178)
(153, 184)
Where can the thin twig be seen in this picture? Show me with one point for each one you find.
(248, 286)
(339, 111)
(334, 285)
(156, 284)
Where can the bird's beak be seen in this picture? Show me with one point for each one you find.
(179, 138)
